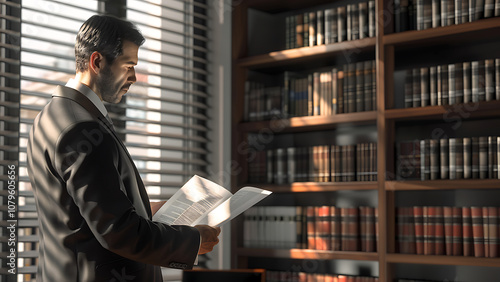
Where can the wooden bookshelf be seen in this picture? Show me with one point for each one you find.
(310, 123)
(306, 254)
(319, 186)
(442, 184)
(305, 54)
(443, 260)
(392, 52)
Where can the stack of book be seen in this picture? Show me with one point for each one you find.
(453, 83)
(424, 14)
(317, 228)
(453, 231)
(326, 163)
(350, 88)
(345, 23)
(289, 276)
(449, 158)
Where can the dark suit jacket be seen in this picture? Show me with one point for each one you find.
(94, 213)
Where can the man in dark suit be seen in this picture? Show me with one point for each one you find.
(94, 213)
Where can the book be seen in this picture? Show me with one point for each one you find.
(429, 214)
(418, 215)
(477, 231)
(311, 227)
(467, 82)
(323, 228)
(489, 80)
(448, 230)
(201, 201)
(462, 233)
(336, 234)
(444, 158)
(493, 226)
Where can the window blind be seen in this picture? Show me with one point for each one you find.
(162, 119)
(166, 110)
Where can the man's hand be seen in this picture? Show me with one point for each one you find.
(155, 206)
(209, 238)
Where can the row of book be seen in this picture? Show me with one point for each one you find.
(452, 158)
(288, 276)
(424, 14)
(453, 83)
(317, 228)
(347, 89)
(452, 231)
(351, 22)
(325, 163)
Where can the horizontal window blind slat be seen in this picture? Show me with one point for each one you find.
(164, 135)
(22, 222)
(167, 148)
(184, 23)
(10, 46)
(9, 104)
(172, 160)
(165, 123)
(10, 149)
(166, 172)
(57, 15)
(163, 111)
(9, 75)
(10, 18)
(42, 80)
(10, 32)
(47, 40)
(168, 100)
(174, 77)
(10, 4)
(7, 133)
(48, 54)
(188, 115)
(187, 13)
(28, 254)
(28, 238)
(10, 61)
(72, 6)
(10, 90)
(11, 120)
(28, 22)
(32, 269)
(175, 89)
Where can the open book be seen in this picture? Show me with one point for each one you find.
(201, 201)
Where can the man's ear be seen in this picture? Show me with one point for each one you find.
(96, 62)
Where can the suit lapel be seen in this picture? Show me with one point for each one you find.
(70, 93)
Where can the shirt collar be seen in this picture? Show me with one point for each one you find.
(91, 95)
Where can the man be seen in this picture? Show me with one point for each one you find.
(94, 213)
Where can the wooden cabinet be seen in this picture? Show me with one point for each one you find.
(258, 34)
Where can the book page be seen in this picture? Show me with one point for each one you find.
(238, 203)
(196, 198)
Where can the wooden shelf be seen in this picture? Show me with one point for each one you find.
(319, 186)
(393, 54)
(305, 54)
(442, 260)
(310, 123)
(466, 32)
(306, 254)
(465, 111)
(277, 7)
(443, 184)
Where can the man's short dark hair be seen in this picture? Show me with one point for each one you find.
(104, 34)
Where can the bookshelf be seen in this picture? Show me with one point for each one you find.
(386, 124)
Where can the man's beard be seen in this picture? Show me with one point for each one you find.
(106, 87)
